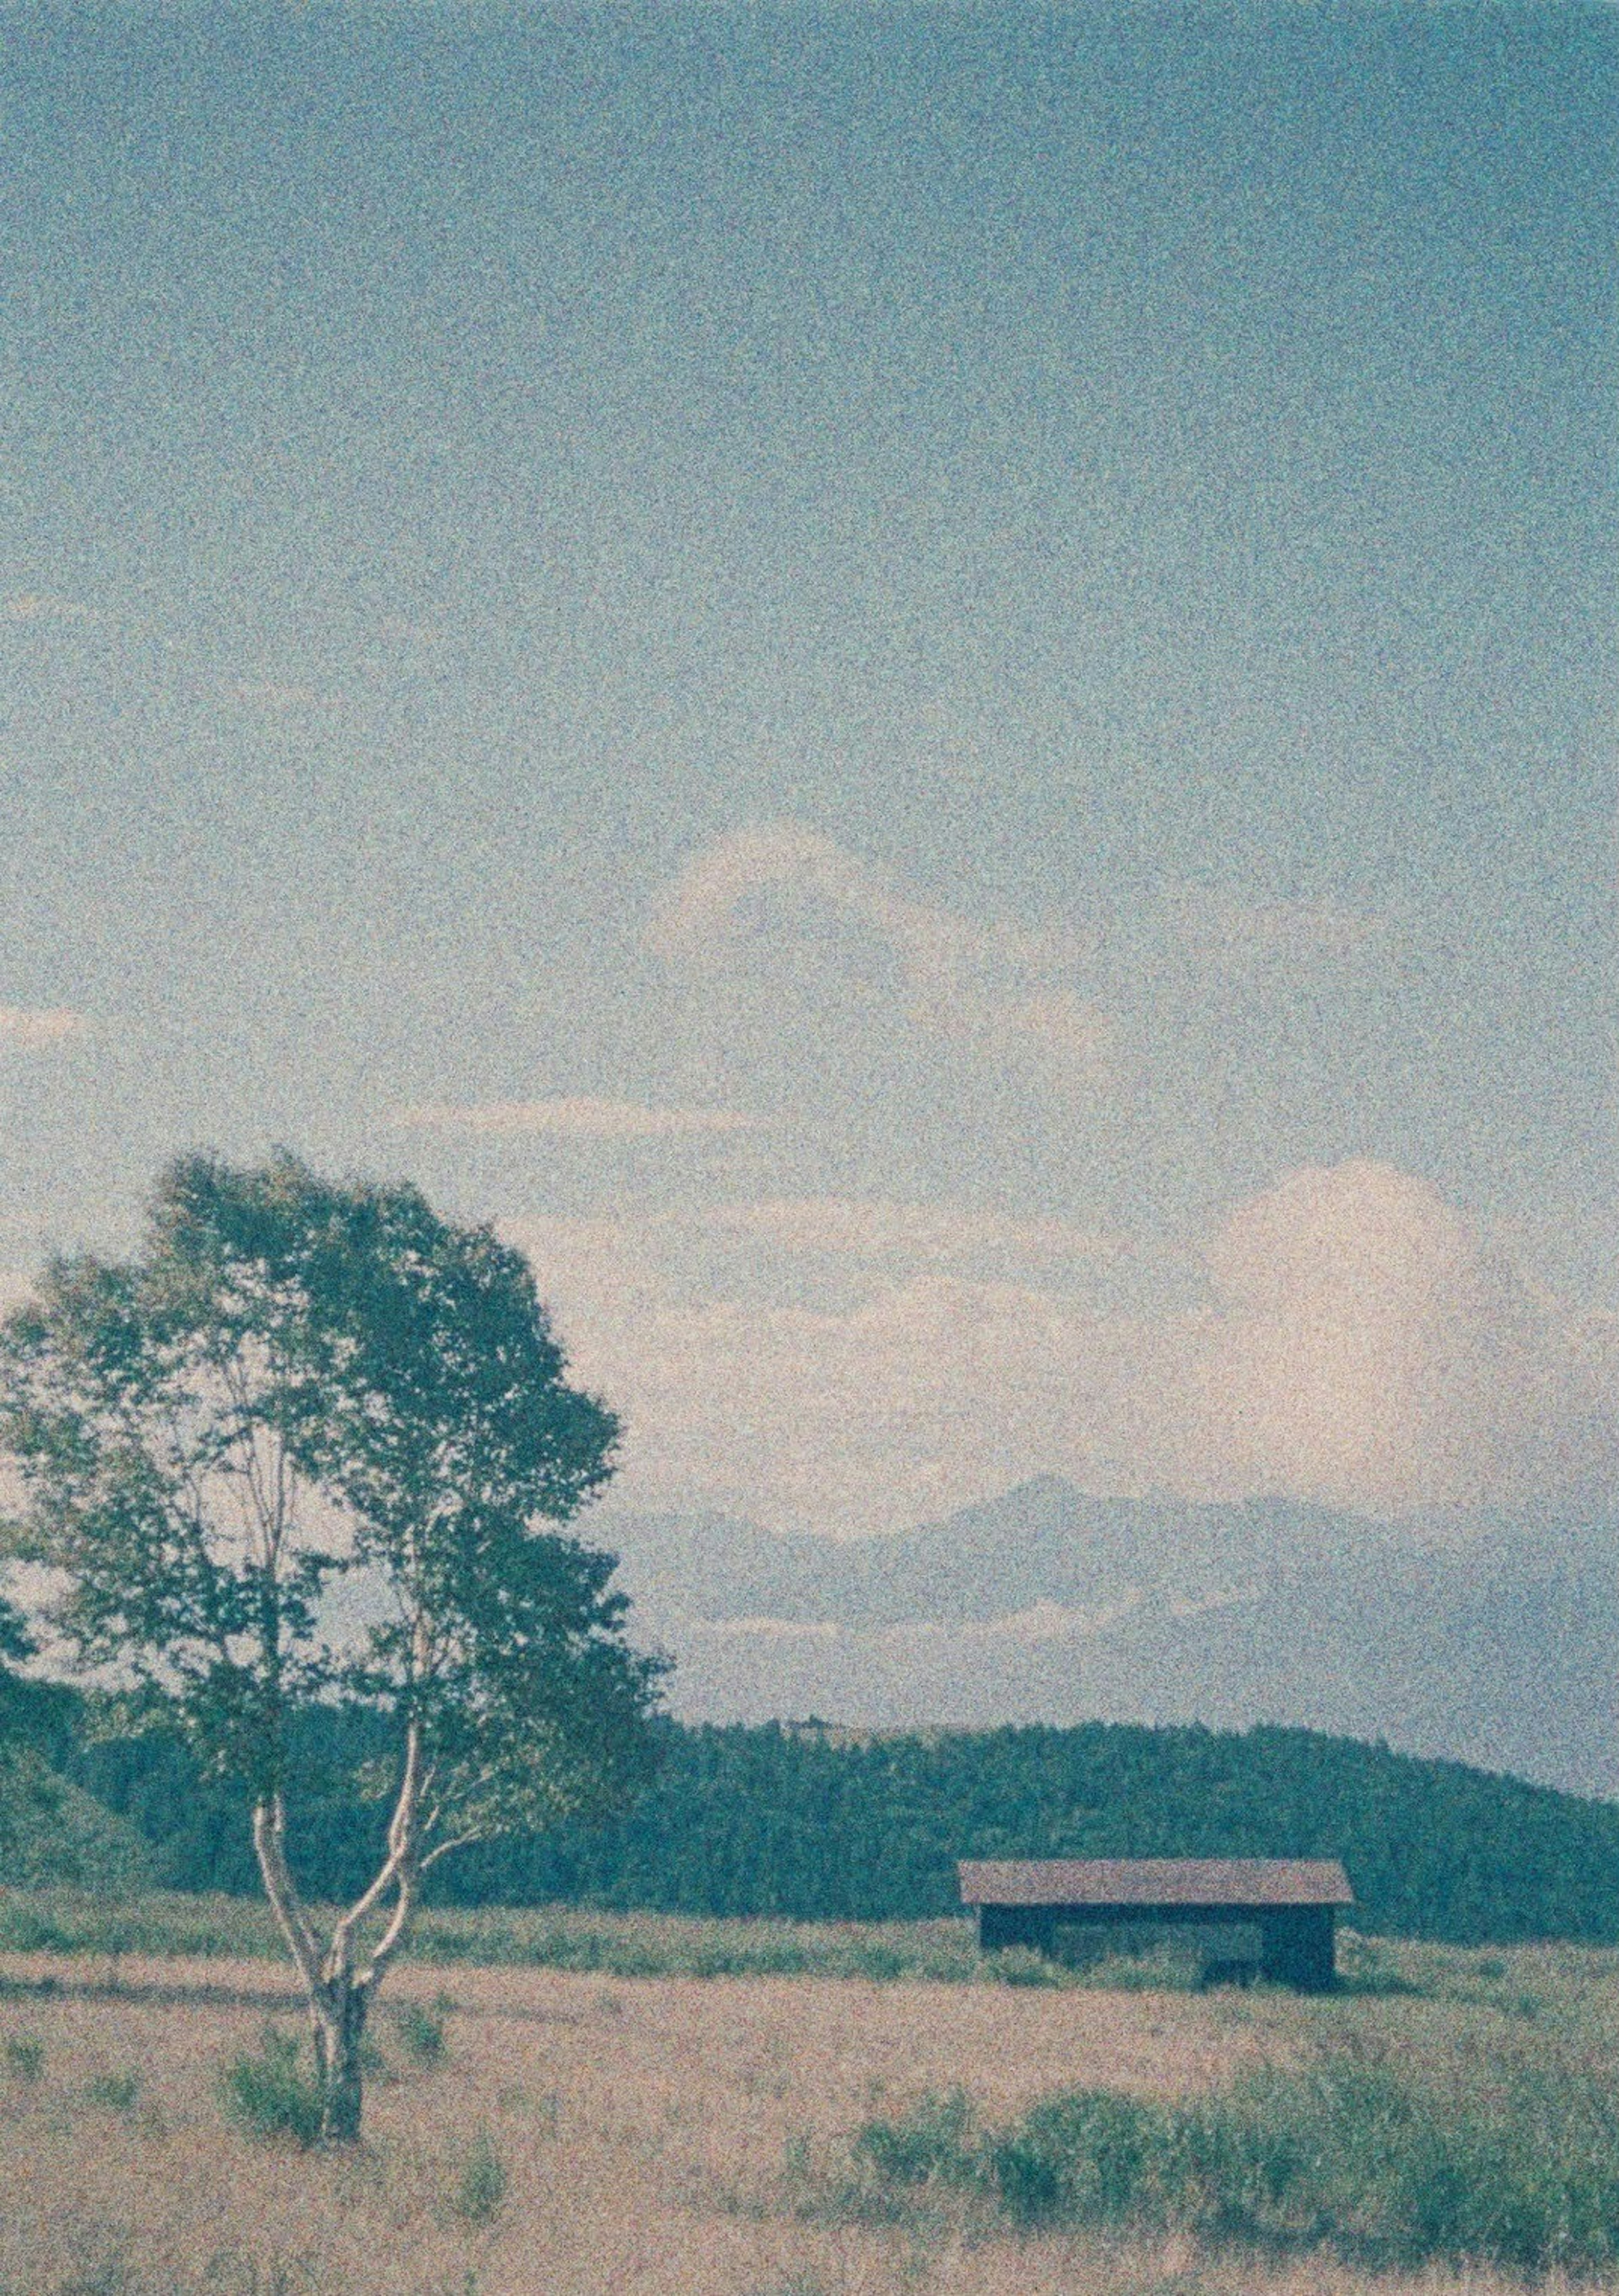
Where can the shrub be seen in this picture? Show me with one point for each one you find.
(481, 2188)
(934, 2140)
(1089, 2154)
(117, 2091)
(270, 2095)
(24, 2056)
(1020, 1964)
(1478, 2159)
(421, 2033)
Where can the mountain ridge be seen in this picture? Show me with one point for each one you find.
(1490, 1639)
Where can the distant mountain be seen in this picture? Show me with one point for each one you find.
(1489, 1642)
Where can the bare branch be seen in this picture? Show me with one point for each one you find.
(403, 1831)
(269, 1843)
(393, 1936)
(443, 1848)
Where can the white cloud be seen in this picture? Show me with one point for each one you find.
(774, 1631)
(931, 1387)
(781, 887)
(583, 1118)
(34, 1029)
(1361, 1344)
(1369, 1348)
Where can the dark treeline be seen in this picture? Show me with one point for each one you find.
(817, 1824)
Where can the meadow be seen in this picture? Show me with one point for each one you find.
(566, 2104)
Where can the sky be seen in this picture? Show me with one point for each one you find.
(929, 694)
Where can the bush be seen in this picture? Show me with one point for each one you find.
(52, 1832)
(421, 2033)
(1480, 2160)
(270, 2095)
(117, 2091)
(934, 2140)
(1091, 2154)
(1020, 1964)
(24, 2056)
(481, 2188)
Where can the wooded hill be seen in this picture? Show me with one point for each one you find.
(808, 1822)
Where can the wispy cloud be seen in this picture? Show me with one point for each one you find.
(780, 886)
(34, 1029)
(44, 606)
(583, 1118)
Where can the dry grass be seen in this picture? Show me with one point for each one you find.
(653, 2136)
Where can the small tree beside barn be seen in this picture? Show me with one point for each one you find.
(316, 1443)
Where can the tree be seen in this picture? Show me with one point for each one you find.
(15, 1642)
(316, 1443)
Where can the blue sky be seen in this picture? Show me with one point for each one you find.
(930, 693)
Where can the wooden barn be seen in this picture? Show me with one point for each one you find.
(1291, 1903)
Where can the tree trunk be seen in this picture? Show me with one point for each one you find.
(339, 2019)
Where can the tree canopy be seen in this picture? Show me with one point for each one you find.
(316, 1443)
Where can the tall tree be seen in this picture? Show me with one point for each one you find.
(315, 1442)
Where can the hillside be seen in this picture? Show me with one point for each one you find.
(820, 1824)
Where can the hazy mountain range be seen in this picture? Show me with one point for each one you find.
(1488, 1641)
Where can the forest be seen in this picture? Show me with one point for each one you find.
(807, 1821)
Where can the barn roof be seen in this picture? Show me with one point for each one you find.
(1154, 1881)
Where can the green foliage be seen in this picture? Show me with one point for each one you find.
(24, 2056)
(479, 2191)
(1505, 2160)
(770, 1821)
(421, 2033)
(298, 1381)
(929, 2141)
(52, 1832)
(117, 2091)
(1020, 1964)
(270, 2095)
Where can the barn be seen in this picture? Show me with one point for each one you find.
(1291, 1904)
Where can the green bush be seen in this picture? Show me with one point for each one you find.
(1020, 1964)
(934, 2140)
(270, 2095)
(1091, 2154)
(421, 2033)
(24, 2056)
(117, 2091)
(1481, 2159)
(481, 2188)
(52, 1832)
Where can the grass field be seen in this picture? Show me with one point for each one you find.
(545, 2130)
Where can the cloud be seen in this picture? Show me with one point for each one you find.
(780, 888)
(42, 606)
(930, 1386)
(1359, 1342)
(1367, 1347)
(774, 1631)
(35, 1029)
(582, 1117)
